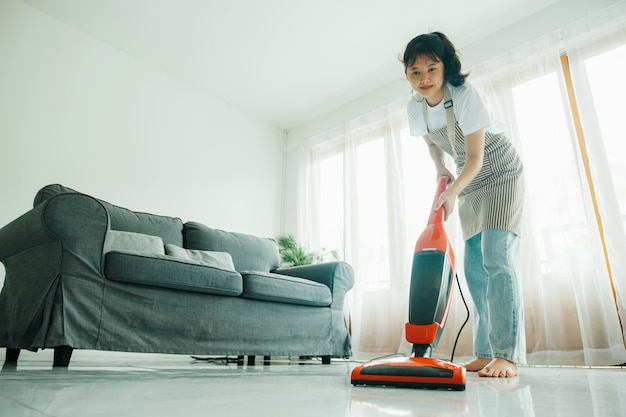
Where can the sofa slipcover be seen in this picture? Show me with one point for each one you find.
(66, 288)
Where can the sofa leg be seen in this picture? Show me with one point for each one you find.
(62, 356)
(326, 359)
(11, 356)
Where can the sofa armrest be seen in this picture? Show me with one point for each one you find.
(80, 223)
(338, 276)
(60, 239)
(23, 233)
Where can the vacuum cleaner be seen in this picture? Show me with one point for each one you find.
(432, 282)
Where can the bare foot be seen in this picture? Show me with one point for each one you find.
(477, 364)
(499, 368)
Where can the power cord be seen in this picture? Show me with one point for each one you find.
(466, 319)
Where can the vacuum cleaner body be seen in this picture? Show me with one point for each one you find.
(430, 295)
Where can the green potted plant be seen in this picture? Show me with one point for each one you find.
(293, 254)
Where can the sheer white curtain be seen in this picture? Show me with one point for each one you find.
(597, 68)
(369, 186)
(573, 236)
(365, 194)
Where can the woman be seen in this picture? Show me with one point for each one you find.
(453, 116)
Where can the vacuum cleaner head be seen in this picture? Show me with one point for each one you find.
(432, 279)
(412, 372)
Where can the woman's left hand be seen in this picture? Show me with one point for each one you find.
(474, 151)
(447, 199)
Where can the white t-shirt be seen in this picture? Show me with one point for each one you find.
(471, 110)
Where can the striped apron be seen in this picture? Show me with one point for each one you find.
(494, 198)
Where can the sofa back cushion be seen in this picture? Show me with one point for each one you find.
(221, 260)
(168, 228)
(249, 253)
(118, 241)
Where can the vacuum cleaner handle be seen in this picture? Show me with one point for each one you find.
(437, 216)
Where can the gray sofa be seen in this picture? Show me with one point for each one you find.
(84, 274)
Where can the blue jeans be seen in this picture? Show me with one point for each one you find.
(491, 269)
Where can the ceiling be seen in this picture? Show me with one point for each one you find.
(285, 61)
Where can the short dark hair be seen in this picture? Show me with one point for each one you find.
(436, 46)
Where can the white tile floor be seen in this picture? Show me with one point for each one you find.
(119, 384)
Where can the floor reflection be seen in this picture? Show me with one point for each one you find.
(409, 404)
(483, 397)
(155, 386)
(504, 397)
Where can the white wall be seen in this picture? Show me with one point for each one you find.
(76, 111)
(546, 21)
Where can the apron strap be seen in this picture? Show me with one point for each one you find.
(450, 119)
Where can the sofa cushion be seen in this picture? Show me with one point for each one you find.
(221, 260)
(120, 241)
(249, 253)
(168, 272)
(284, 289)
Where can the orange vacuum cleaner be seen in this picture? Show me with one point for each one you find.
(432, 279)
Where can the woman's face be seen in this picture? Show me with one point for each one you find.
(426, 77)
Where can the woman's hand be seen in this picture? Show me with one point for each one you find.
(474, 151)
(447, 200)
(437, 156)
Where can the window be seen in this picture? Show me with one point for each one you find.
(331, 203)
(551, 176)
(608, 91)
(372, 185)
(371, 194)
